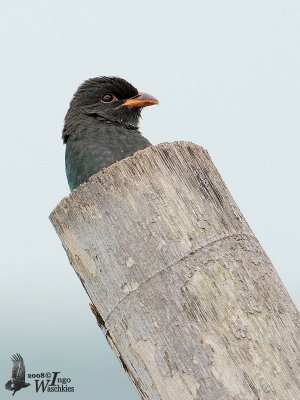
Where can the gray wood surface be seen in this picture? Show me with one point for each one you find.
(185, 294)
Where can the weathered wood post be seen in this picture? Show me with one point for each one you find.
(181, 287)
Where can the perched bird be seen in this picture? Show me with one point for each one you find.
(17, 380)
(102, 126)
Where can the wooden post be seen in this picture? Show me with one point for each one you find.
(185, 294)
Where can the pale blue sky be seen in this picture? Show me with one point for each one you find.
(227, 77)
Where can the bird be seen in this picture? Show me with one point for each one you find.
(17, 381)
(101, 126)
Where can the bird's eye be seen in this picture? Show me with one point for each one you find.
(108, 98)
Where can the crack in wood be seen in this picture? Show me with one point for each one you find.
(237, 236)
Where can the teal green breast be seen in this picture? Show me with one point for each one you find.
(97, 147)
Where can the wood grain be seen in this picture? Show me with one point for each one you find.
(182, 289)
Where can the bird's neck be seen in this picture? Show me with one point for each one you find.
(93, 125)
(118, 123)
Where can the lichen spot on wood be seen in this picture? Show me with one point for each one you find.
(80, 259)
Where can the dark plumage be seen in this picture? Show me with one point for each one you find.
(17, 380)
(101, 126)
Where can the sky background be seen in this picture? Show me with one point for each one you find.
(227, 77)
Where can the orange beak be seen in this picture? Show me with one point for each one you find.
(141, 100)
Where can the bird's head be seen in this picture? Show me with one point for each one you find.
(110, 99)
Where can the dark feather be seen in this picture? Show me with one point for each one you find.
(96, 134)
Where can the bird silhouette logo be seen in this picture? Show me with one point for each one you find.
(17, 381)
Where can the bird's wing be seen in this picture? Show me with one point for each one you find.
(18, 370)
